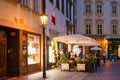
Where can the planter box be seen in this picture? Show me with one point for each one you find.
(65, 66)
(80, 67)
(90, 67)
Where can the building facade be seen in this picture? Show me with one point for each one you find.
(21, 34)
(21, 37)
(60, 22)
(100, 19)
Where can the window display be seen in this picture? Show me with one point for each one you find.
(33, 49)
(50, 54)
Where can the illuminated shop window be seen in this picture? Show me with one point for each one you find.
(33, 49)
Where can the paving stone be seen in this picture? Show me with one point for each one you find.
(107, 71)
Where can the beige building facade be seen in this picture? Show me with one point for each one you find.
(100, 19)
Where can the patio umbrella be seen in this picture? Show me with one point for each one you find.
(77, 39)
(95, 48)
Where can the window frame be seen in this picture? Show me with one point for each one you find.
(58, 4)
(88, 8)
(99, 29)
(67, 9)
(25, 3)
(35, 5)
(62, 6)
(98, 8)
(88, 29)
(114, 9)
(114, 29)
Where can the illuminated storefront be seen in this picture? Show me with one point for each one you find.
(33, 49)
(113, 48)
(52, 54)
(31, 53)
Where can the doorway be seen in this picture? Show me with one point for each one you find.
(9, 52)
(2, 57)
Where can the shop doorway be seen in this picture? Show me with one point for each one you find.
(2, 57)
(12, 52)
(9, 52)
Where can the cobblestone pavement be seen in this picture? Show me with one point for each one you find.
(107, 71)
(54, 74)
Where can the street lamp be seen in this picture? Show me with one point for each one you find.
(44, 19)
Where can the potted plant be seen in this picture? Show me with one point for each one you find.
(90, 64)
(81, 64)
(64, 62)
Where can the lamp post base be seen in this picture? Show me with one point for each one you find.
(44, 75)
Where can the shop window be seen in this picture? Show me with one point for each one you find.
(33, 49)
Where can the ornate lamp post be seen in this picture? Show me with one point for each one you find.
(44, 19)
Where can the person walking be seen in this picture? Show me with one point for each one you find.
(104, 56)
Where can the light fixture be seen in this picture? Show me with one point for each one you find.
(44, 19)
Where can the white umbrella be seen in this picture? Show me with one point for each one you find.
(77, 39)
(95, 48)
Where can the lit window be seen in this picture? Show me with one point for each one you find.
(33, 49)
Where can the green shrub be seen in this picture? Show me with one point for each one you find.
(64, 59)
(81, 60)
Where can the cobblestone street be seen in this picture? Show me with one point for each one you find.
(108, 71)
